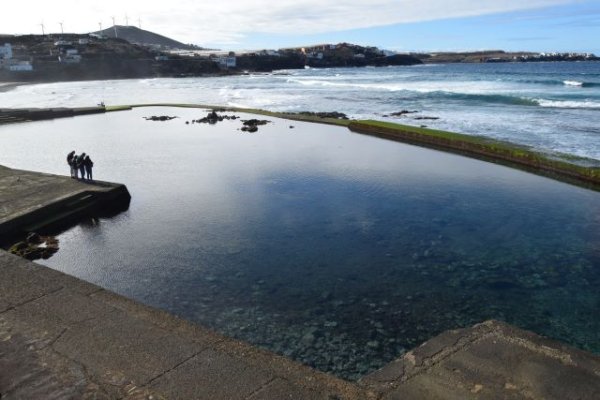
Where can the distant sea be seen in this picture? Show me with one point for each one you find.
(553, 107)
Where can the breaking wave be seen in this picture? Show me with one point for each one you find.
(590, 105)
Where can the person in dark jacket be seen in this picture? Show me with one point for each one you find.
(70, 158)
(88, 165)
(80, 166)
(74, 165)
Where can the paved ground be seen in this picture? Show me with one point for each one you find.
(492, 360)
(62, 338)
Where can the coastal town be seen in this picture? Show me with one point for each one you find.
(130, 52)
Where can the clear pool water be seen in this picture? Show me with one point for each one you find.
(339, 250)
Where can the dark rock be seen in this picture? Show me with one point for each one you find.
(45, 247)
(333, 114)
(403, 112)
(251, 128)
(255, 122)
(213, 117)
(159, 118)
(34, 238)
(429, 118)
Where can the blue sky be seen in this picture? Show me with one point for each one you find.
(403, 25)
(570, 27)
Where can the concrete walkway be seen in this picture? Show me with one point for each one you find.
(62, 338)
(30, 200)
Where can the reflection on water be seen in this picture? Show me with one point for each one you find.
(339, 250)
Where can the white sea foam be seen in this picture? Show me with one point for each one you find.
(457, 87)
(573, 83)
(569, 104)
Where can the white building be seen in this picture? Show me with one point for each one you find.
(6, 52)
(227, 62)
(20, 66)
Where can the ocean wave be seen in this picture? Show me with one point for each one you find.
(422, 87)
(485, 98)
(554, 82)
(573, 83)
(589, 105)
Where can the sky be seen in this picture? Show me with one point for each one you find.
(401, 25)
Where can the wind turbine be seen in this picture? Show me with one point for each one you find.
(126, 20)
(140, 22)
(43, 32)
(100, 25)
(62, 31)
(115, 27)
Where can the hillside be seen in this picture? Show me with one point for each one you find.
(145, 38)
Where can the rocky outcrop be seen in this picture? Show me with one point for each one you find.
(35, 247)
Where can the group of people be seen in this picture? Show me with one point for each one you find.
(80, 165)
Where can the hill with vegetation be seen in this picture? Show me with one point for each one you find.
(135, 35)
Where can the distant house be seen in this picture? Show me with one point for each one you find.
(70, 56)
(84, 41)
(6, 52)
(318, 56)
(60, 43)
(226, 62)
(272, 53)
(97, 36)
(20, 66)
(7, 62)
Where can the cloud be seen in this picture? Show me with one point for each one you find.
(228, 21)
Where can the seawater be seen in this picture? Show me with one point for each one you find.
(339, 250)
(553, 107)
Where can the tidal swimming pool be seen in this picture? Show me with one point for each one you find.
(339, 250)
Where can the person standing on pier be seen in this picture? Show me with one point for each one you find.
(70, 161)
(88, 164)
(75, 165)
(80, 165)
